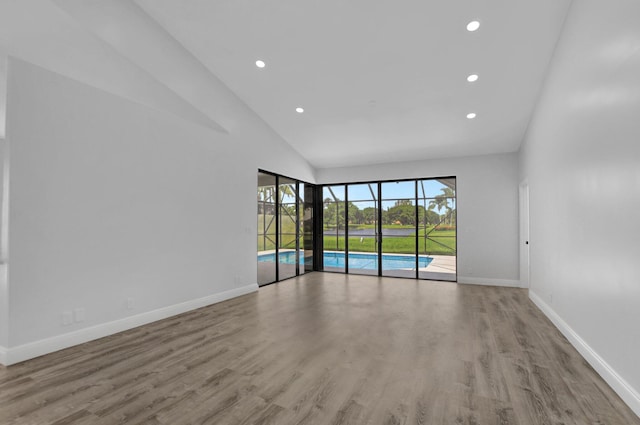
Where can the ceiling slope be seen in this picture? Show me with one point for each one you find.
(39, 32)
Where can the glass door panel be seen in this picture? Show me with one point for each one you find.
(333, 227)
(266, 228)
(399, 228)
(437, 229)
(288, 228)
(301, 232)
(307, 227)
(363, 228)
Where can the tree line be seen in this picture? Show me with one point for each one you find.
(402, 213)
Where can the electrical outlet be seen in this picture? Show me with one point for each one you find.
(78, 315)
(67, 318)
(130, 303)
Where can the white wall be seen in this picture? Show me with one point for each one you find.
(487, 191)
(4, 289)
(3, 93)
(582, 160)
(110, 199)
(4, 295)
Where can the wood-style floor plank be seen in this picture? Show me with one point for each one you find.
(325, 349)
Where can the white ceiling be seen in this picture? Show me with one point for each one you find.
(380, 81)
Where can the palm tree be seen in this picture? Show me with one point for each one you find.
(442, 201)
(286, 189)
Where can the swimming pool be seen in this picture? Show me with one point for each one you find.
(356, 260)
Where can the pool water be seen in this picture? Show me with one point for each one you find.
(356, 261)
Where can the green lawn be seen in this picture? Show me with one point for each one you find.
(372, 226)
(397, 245)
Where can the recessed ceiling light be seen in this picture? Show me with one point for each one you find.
(471, 115)
(260, 64)
(471, 78)
(299, 110)
(473, 25)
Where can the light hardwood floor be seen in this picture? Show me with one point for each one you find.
(325, 349)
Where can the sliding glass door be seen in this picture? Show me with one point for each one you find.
(404, 228)
(266, 228)
(437, 228)
(362, 228)
(334, 228)
(285, 228)
(288, 228)
(398, 228)
(307, 221)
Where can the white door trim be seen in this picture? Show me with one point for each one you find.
(525, 246)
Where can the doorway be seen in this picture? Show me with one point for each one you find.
(524, 235)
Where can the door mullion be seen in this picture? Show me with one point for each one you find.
(417, 228)
(379, 236)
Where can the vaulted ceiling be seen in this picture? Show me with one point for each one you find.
(379, 81)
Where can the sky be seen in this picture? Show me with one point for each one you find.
(391, 191)
(361, 193)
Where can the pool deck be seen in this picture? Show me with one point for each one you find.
(441, 264)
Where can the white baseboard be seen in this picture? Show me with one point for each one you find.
(28, 351)
(626, 392)
(488, 281)
(3, 355)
